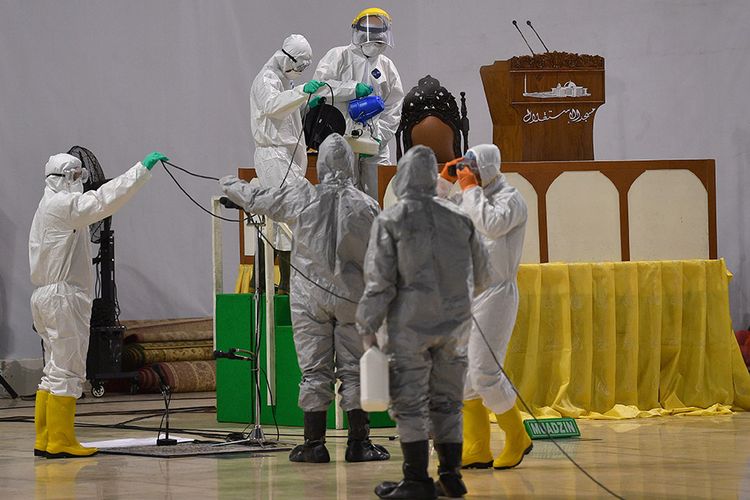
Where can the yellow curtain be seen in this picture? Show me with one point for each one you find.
(627, 339)
(245, 274)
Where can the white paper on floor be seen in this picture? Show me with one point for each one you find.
(124, 443)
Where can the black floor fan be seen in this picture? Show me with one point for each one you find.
(104, 361)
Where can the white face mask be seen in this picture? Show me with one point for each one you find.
(373, 49)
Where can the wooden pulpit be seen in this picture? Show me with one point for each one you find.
(543, 106)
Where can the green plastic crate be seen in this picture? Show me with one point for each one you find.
(234, 384)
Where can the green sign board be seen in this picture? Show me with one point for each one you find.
(552, 428)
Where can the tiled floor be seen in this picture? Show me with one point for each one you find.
(668, 457)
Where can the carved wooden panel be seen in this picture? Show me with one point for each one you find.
(700, 225)
(543, 107)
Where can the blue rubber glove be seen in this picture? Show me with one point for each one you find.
(362, 90)
(150, 160)
(311, 86)
(314, 102)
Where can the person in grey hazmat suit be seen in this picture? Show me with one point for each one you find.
(499, 213)
(424, 263)
(61, 271)
(360, 69)
(276, 124)
(331, 223)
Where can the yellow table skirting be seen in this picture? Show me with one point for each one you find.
(245, 275)
(627, 339)
(623, 340)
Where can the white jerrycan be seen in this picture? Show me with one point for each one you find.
(373, 380)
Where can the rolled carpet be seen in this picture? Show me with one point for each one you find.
(181, 376)
(137, 355)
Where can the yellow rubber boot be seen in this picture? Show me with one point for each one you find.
(476, 451)
(62, 442)
(517, 441)
(40, 423)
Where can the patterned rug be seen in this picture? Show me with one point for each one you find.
(182, 348)
(195, 449)
(181, 376)
(168, 330)
(137, 355)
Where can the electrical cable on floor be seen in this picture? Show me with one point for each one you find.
(528, 409)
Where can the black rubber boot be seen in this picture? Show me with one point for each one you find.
(417, 484)
(313, 450)
(284, 271)
(450, 484)
(359, 448)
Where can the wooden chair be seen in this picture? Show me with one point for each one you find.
(430, 116)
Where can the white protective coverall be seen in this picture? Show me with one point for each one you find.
(276, 121)
(61, 269)
(331, 224)
(499, 214)
(344, 67)
(423, 264)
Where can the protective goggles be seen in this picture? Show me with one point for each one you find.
(299, 65)
(72, 174)
(372, 28)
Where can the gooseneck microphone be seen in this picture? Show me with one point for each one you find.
(524, 38)
(537, 35)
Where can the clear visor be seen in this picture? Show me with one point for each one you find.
(372, 28)
(297, 64)
(470, 161)
(300, 65)
(73, 174)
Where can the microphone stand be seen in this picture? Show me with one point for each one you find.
(256, 436)
(166, 393)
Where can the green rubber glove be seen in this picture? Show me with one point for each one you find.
(311, 86)
(150, 160)
(314, 102)
(362, 89)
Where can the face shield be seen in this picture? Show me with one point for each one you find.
(372, 30)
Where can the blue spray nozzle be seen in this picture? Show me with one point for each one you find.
(363, 109)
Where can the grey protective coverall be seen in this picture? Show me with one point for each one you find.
(423, 265)
(331, 223)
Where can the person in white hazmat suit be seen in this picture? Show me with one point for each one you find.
(424, 263)
(359, 69)
(60, 262)
(331, 223)
(276, 124)
(499, 213)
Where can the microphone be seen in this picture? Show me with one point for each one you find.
(524, 38)
(226, 355)
(537, 35)
(229, 203)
